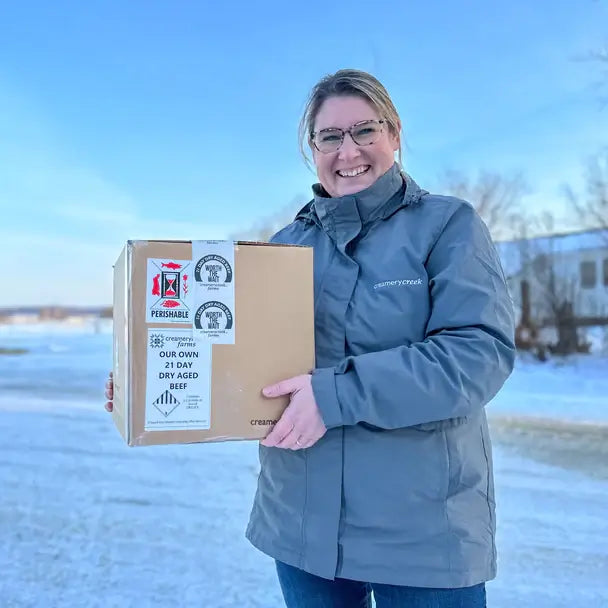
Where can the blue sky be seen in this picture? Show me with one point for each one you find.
(124, 120)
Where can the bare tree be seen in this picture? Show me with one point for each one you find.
(547, 294)
(557, 295)
(600, 58)
(266, 227)
(497, 198)
(592, 208)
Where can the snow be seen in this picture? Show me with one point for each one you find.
(572, 390)
(87, 521)
(552, 531)
(56, 328)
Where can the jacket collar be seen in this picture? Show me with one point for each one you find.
(390, 192)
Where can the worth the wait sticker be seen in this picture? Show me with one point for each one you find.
(213, 304)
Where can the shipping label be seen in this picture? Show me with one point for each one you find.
(178, 386)
(169, 287)
(213, 306)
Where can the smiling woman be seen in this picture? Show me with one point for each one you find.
(378, 476)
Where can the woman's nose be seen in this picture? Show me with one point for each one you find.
(348, 149)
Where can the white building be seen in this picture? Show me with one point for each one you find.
(547, 275)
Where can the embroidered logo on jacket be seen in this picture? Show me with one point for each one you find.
(399, 283)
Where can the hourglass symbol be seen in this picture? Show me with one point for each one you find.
(170, 285)
(170, 291)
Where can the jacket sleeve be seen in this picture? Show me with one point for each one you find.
(467, 354)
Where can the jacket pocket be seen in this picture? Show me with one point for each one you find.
(440, 425)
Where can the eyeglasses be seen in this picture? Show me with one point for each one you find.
(363, 133)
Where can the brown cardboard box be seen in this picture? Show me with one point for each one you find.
(214, 393)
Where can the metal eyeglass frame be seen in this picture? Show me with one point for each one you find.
(343, 133)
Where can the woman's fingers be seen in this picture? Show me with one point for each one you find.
(290, 441)
(109, 392)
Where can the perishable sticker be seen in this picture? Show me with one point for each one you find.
(178, 386)
(213, 307)
(169, 287)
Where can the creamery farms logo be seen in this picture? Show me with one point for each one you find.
(399, 283)
(213, 271)
(157, 340)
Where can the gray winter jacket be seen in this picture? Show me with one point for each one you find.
(414, 335)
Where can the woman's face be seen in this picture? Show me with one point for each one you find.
(352, 168)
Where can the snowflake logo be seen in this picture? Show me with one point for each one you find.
(157, 341)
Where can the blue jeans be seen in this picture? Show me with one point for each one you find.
(304, 590)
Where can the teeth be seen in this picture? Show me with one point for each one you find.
(353, 172)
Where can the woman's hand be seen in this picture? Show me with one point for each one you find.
(109, 393)
(301, 425)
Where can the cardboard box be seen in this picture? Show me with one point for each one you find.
(174, 381)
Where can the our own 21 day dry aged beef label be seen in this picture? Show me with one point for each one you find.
(178, 382)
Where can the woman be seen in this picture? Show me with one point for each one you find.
(378, 476)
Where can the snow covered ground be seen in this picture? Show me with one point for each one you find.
(570, 390)
(86, 522)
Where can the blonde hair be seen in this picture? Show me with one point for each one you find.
(346, 83)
